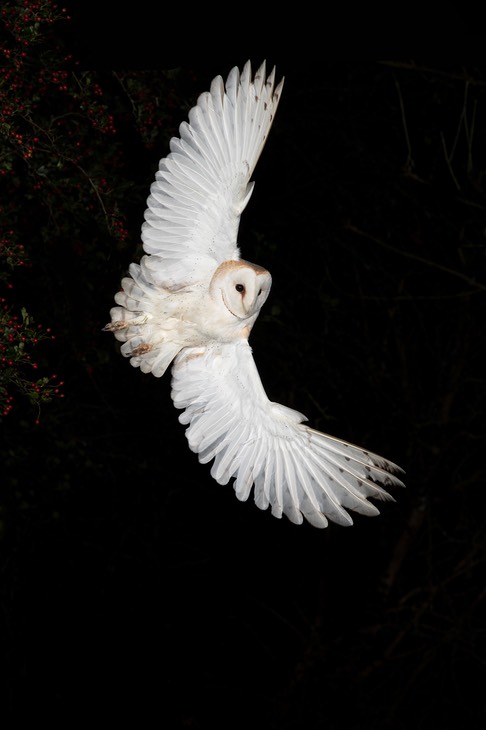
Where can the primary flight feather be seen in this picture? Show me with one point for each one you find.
(192, 301)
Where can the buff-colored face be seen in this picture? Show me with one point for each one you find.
(242, 287)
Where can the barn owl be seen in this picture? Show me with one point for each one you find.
(192, 301)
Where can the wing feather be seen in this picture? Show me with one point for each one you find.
(203, 185)
(295, 470)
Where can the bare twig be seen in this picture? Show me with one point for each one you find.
(477, 285)
(454, 76)
(409, 163)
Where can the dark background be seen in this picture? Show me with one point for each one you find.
(133, 587)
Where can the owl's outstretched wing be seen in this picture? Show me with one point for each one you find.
(203, 185)
(295, 470)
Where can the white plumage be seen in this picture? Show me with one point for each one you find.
(192, 300)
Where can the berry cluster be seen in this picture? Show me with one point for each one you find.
(17, 336)
(59, 153)
(12, 253)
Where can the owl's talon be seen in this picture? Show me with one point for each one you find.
(115, 326)
(141, 350)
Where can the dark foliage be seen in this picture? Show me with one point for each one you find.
(132, 584)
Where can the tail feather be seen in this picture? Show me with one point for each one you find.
(147, 337)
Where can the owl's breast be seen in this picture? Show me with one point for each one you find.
(215, 323)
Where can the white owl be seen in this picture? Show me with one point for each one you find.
(194, 301)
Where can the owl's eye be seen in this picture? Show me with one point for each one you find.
(239, 287)
(259, 292)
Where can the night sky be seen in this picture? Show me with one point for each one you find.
(133, 585)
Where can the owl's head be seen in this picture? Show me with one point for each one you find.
(242, 288)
